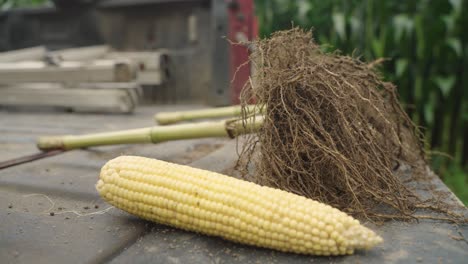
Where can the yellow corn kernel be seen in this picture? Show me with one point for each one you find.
(216, 204)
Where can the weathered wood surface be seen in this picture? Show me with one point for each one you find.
(34, 53)
(153, 60)
(84, 229)
(67, 71)
(152, 65)
(78, 98)
(82, 53)
(29, 79)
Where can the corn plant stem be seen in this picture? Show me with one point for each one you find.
(166, 118)
(154, 134)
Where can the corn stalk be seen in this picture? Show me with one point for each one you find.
(166, 118)
(155, 134)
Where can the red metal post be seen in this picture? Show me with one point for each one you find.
(242, 27)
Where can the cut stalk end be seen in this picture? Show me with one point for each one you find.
(168, 118)
(50, 143)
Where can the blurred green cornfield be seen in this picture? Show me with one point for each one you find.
(425, 43)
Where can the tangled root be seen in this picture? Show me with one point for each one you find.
(333, 130)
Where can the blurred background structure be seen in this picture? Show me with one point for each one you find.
(424, 43)
(198, 63)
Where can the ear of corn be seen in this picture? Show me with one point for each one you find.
(237, 210)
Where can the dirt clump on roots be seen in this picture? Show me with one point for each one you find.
(333, 130)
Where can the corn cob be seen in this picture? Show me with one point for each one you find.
(237, 210)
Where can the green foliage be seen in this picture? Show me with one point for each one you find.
(426, 45)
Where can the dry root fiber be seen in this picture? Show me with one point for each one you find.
(333, 130)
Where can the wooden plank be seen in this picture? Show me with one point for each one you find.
(134, 91)
(152, 65)
(81, 53)
(152, 59)
(34, 53)
(78, 99)
(69, 71)
(151, 77)
(86, 85)
(104, 85)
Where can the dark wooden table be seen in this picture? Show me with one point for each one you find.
(50, 211)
